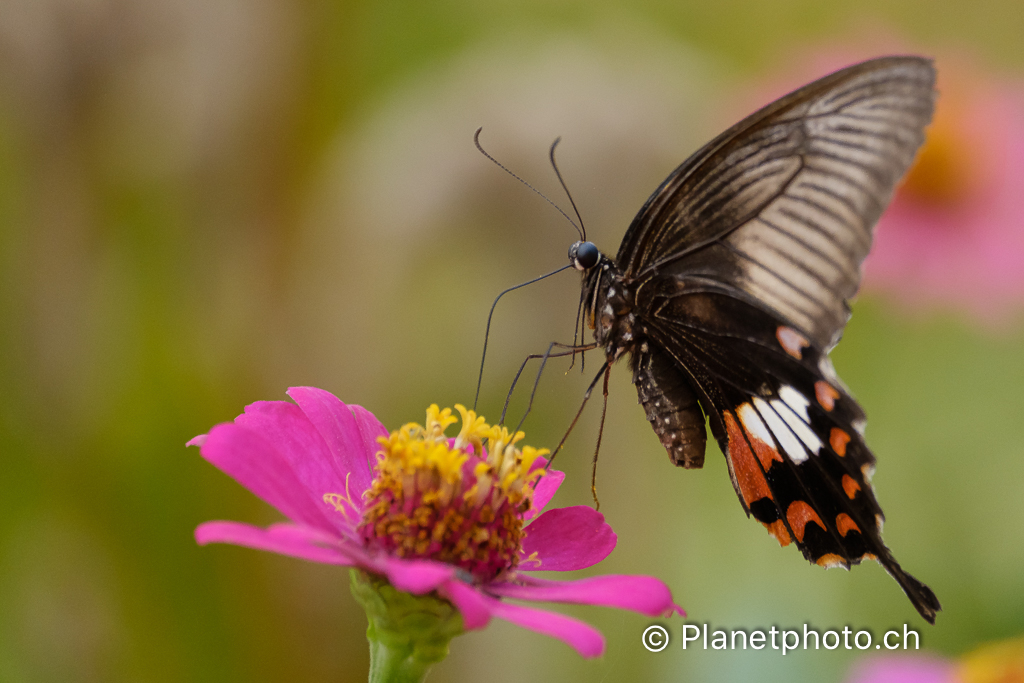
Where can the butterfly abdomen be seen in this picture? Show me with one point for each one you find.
(671, 407)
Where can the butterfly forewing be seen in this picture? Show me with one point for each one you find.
(788, 197)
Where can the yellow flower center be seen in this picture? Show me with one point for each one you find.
(457, 500)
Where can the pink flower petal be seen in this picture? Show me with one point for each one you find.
(471, 603)
(196, 440)
(286, 539)
(287, 427)
(546, 488)
(566, 539)
(416, 576)
(904, 669)
(260, 467)
(643, 594)
(350, 432)
(370, 429)
(584, 638)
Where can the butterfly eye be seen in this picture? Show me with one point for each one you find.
(584, 255)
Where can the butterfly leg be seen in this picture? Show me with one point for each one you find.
(586, 397)
(570, 350)
(600, 434)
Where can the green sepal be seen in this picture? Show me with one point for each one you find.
(407, 633)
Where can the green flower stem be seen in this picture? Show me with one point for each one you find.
(408, 633)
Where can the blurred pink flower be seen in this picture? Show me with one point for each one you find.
(904, 669)
(999, 662)
(426, 512)
(954, 233)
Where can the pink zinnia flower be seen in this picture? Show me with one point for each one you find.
(993, 663)
(1000, 662)
(426, 512)
(904, 669)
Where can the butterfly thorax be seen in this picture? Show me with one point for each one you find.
(669, 402)
(609, 303)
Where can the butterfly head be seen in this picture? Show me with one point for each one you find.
(584, 255)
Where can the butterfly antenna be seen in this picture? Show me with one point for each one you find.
(487, 332)
(577, 330)
(476, 141)
(551, 154)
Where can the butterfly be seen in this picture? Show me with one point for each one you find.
(730, 288)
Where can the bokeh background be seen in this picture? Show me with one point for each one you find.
(203, 202)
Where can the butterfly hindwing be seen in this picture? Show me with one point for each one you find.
(790, 430)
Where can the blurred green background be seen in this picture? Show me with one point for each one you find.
(205, 202)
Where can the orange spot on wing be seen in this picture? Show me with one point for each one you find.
(765, 452)
(778, 530)
(748, 476)
(799, 515)
(830, 560)
(845, 524)
(850, 485)
(869, 556)
(826, 394)
(792, 341)
(838, 440)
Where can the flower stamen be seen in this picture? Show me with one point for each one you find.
(338, 501)
(458, 500)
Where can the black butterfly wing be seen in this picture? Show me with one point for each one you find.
(790, 430)
(781, 206)
(741, 265)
